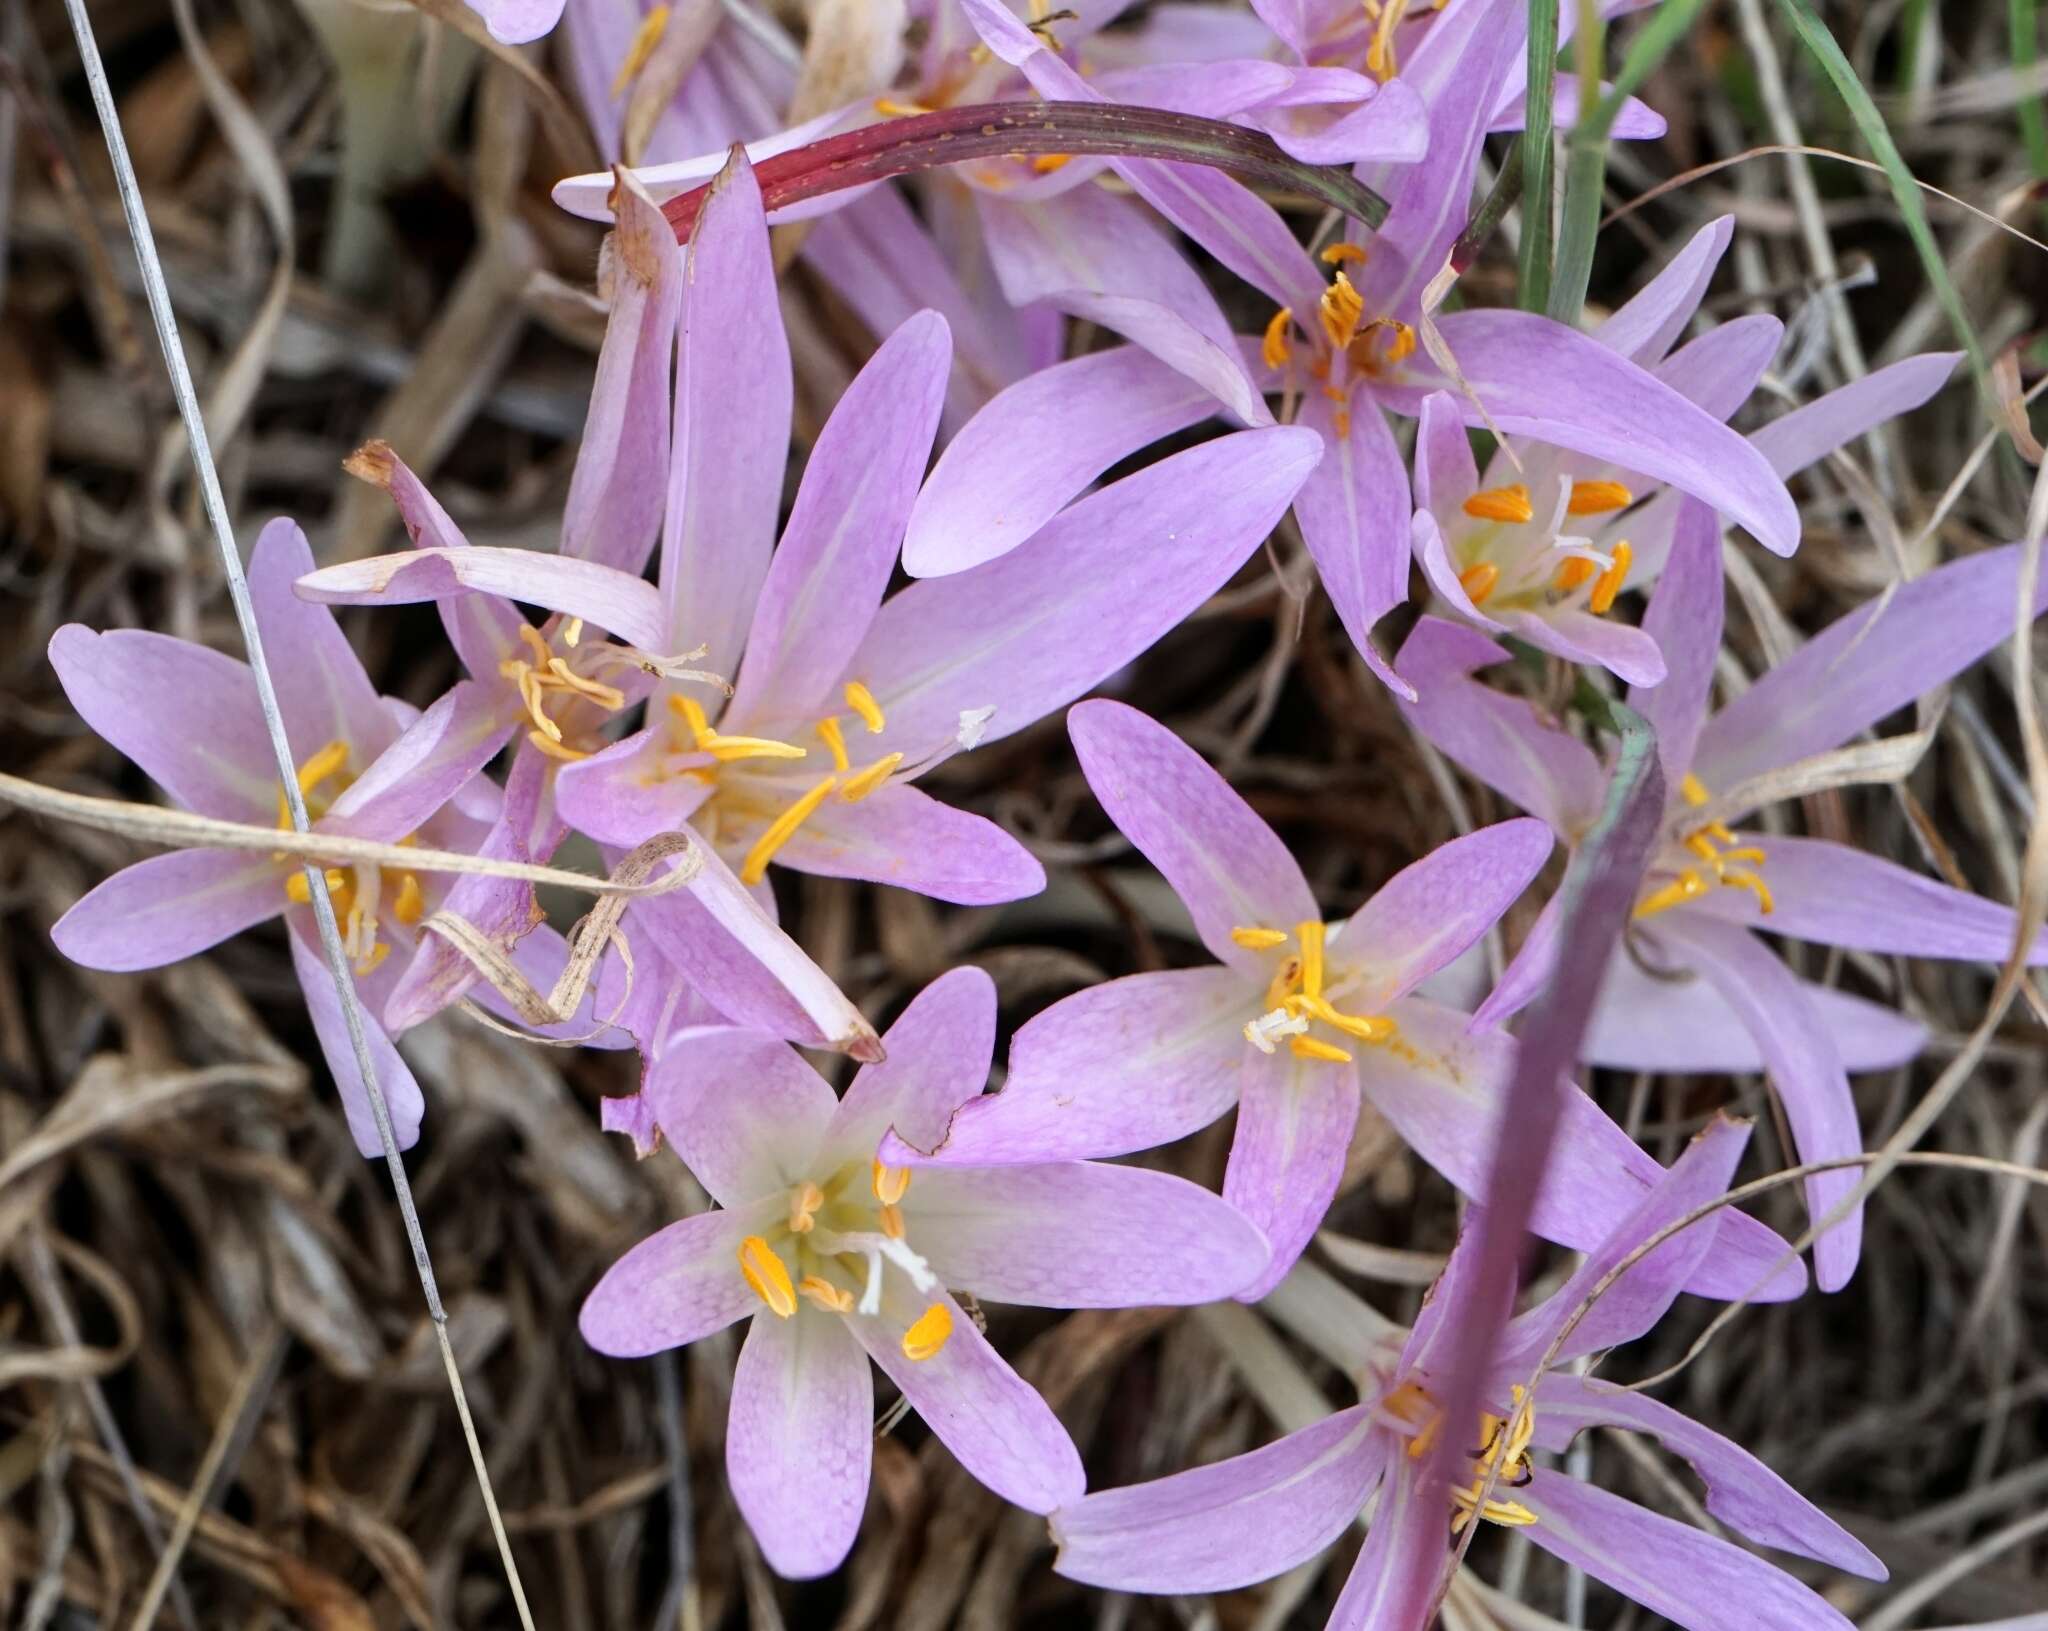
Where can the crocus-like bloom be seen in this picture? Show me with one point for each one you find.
(1257, 1515)
(1299, 1018)
(1344, 348)
(368, 767)
(839, 1257)
(841, 701)
(1693, 989)
(515, 22)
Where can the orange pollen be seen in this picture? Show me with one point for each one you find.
(1478, 581)
(1509, 503)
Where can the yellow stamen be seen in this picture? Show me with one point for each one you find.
(1501, 504)
(652, 27)
(691, 712)
(824, 1294)
(410, 905)
(1399, 346)
(1575, 571)
(1755, 885)
(572, 631)
(725, 749)
(322, 765)
(1366, 1027)
(860, 786)
(892, 1221)
(1688, 885)
(1598, 497)
(563, 677)
(1756, 856)
(1045, 163)
(298, 894)
(1274, 351)
(1259, 939)
(1311, 934)
(925, 1338)
(783, 828)
(1309, 1047)
(862, 701)
(1610, 581)
(763, 1271)
(1700, 846)
(889, 108)
(1340, 310)
(1694, 791)
(891, 1184)
(1379, 56)
(835, 739)
(553, 749)
(1341, 254)
(1285, 978)
(369, 962)
(804, 1202)
(1478, 581)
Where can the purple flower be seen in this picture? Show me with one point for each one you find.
(841, 701)
(1257, 1515)
(369, 766)
(838, 1257)
(1296, 1021)
(1344, 347)
(515, 22)
(1694, 989)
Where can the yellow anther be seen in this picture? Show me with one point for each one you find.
(869, 780)
(1284, 980)
(1274, 351)
(763, 1271)
(1688, 885)
(725, 749)
(1755, 885)
(1693, 790)
(1610, 582)
(891, 1218)
(1045, 163)
(691, 712)
(1504, 1450)
(563, 677)
(835, 741)
(1259, 939)
(410, 905)
(928, 1335)
(1478, 581)
(1311, 934)
(1700, 845)
(1340, 254)
(1340, 309)
(1575, 571)
(652, 27)
(1366, 1027)
(890, 1184)
(554, 749)
(1400, 343)
(372, 959)
(822, 1293)
(862, 701)
(1755, 856)
(783, 828)
(572, 631)
(298, 894)
(1501, 504)
(804, 1202)
(889, 108)
(1598, 497)
(322, 765)
(1309, 1047)
(1379, 56)
(535, 644)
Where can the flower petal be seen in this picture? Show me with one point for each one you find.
(993, 1421)
(322, 689)
(401, 1093)
(1498, 738)
(1294, 1123)
(1870, 663)
(677, 1285)
(833, 564)
(1393, 1584)
(186, 714)
(1424, 917)
(1741, 1491)
(1441, 1086)
(607, 597)
(1646, 327)
(1720, 370)
(733, 398)
(438, 755)
(1694, 1580)
(1231, 1523)
(1228, 867)
(170, 907)
(515, 22)
(1446, 474)
(1034, 630)
(1122, 1066)
(626, 793)
(901, 835)
(743, 1110)
(1354, 515)
(1808, 434)
(1684, 617)
(799, 1441)
(1002, 477)
(616, 492)
(937, 1058)
(1804, 1067)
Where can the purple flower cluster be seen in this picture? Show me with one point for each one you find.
(679, 665)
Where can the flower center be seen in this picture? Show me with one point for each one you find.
(356, 891)
(1366, 345)
(551, 680)
(1503, 1453)
(1518, 566)
(833, 1248)
(761, 796)
(1722, 863)
(1295, 998)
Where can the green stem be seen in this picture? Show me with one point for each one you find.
(1536, 146)
(2026, 50)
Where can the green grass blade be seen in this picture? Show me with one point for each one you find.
(1538, 205)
